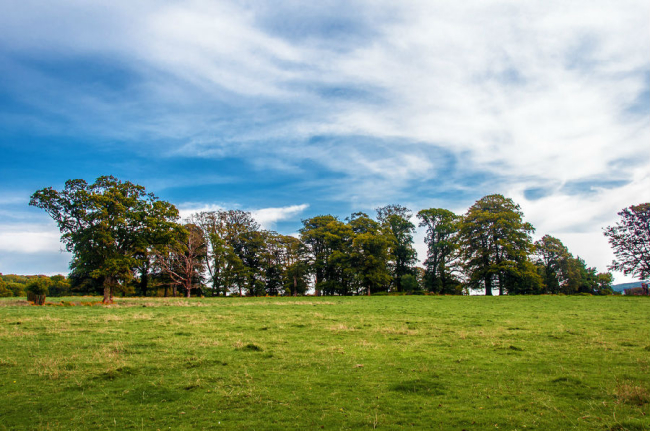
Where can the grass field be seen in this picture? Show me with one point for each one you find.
(469, 363)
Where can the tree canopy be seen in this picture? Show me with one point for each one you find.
(495, 243)
(107, 225)
(124, 239)
(630, 239)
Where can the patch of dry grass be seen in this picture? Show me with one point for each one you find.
(342, 328)
(630, 393)
(14, 303)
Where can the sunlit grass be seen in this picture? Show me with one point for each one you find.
(338, 363)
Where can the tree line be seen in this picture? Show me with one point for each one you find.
(124, 239)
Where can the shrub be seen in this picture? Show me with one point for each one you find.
(37, 290)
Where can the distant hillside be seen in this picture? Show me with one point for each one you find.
(620, 287)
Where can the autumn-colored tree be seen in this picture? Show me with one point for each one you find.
(630, 239)
(183, 260)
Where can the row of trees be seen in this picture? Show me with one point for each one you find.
(17, 285)
(122, 236)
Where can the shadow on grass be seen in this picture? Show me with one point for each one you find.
(419, 386)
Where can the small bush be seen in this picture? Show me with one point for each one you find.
(37, 290)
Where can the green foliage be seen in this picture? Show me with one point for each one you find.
(370, 254)
(410, 283)
(329, 243)
(59, 286)
(4, 291)
(39, 286)
(106, 226)
(442, 247)
(495, 244)
(37, 289)
(124, 240)
(398, 229)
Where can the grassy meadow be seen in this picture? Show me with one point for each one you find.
(545, 363)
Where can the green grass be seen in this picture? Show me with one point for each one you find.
(543, 363)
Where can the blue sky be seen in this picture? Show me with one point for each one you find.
(291, 109)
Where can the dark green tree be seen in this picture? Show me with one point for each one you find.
(59, 285)
(495, 244)
(369, 254)
(295, 265)
(553, 260)
(243, 242)
(322, 236)
(584, 279)
(410, 283)
(106, 225)
(630, 240)
(442, 247)
(37, 290)
(396, 222)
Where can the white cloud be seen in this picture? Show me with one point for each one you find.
(29, 238)
(266, 217)
(529, 94)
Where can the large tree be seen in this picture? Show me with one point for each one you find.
(106, 225)
(396, 221)
(496, 243)
(295, 265)
(244, 263)
(630, 239)
(369, 254)
(442, 246)
(555, 264)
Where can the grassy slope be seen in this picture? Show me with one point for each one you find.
(332, 363)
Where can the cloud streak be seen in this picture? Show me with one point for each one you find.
(358, 105)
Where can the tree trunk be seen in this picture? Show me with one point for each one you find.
(488, 285)
(108, 293)
(144, 283)
(295, 285)
(188, 289)
(368, 290)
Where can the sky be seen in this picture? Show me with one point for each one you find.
(293, 109)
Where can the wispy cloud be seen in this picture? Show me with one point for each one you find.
(425, 103)
(269, 217)
(266, 217)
